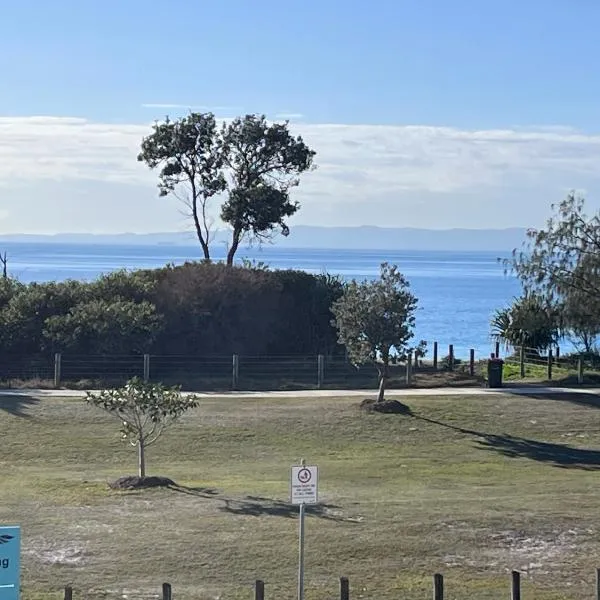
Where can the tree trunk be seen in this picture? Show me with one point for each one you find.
(381, 394)
(383, 377)
(198, 226)
(141, 459)
(235, 242)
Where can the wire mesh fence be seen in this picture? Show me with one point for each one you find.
(233, 372)
(533, 364)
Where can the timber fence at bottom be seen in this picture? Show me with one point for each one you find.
(439, 588)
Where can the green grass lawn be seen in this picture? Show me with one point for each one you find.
(537, 372)
(468, 486)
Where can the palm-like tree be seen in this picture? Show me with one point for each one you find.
(528, 322)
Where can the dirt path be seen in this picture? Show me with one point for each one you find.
(449, 391)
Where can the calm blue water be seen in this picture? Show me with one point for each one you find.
(457, 291)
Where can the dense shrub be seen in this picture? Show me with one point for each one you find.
(193, 309)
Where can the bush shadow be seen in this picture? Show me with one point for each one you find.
(558, 455)
(18, 404)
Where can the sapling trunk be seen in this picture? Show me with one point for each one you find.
(141, 458)
(381, 394)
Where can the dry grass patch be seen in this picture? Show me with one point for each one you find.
(469, 486)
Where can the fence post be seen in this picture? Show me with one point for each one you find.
(235, 372)
(451, 357)
(344, 588)
(57, 369)
(409, 368)
(472, 362)
(146, 368)
(497, 350)
(515, 593)
(597, 584)
(580, 370)
(438, 587)
(166, 591)
(320, 370)
(522, 362)
(68, 593)
(435, 355)
(550, 364)
(259, 590)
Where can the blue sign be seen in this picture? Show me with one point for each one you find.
(10, 563)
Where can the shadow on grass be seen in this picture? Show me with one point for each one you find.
(581, 398)
(201, 492)
(17, 404)
(558, 455)
(257, 506)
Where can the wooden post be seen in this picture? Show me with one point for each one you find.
(435, 355)
(68, 593)
(451, 357)
(597, 584)
(259, 590)
(472, 362)
(344, 588)
(580, 370)
(522, 362)
(57, 369)
(497, 350)
(409, 368)
(557, 354)
(146, 368)
(515, 593)
(320, 371)
(166, 591)
(550, 365)
(438, 587)
(235, 372)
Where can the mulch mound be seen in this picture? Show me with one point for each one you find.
(133, 482)
(387, 406)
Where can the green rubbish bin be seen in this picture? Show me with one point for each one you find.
(494, 370)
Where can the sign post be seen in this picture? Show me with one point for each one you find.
(10, 563)
(303, 491)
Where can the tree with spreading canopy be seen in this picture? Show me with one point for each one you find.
(374, 318)
(188, 152)
(254, 165)
(560, 263)
(264, 163)
(144, 410)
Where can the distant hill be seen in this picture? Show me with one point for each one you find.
(304, 236)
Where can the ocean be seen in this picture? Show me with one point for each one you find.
(458, 292)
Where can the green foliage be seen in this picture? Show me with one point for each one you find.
(23, 318)
(375, 317)
(445, 362)
(193, 309)
(264, 162)
(105, 327)
(145, 410)
(561, 263)
(255, 164)
(529, 322)
(188, 152)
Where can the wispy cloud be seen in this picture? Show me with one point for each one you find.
(387, 175)
(189, 106)
(292, 116)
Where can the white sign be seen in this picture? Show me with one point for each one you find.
(304, 485)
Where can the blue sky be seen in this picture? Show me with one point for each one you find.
(468, 65)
